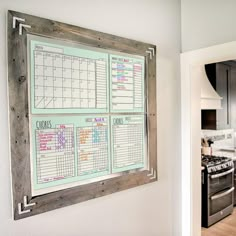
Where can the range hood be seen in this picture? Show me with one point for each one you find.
(210, 100)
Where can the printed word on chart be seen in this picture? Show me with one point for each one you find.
(127, 83)
(128, 140)
(92, 146)
(55, 153)
(64, 81)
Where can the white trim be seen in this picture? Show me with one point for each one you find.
(190, 122)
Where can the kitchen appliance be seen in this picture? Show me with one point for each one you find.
(217, 189)
(234, 182)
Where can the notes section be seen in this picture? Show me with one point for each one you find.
(126, 84)
(67, 80)
(68, 149)
(127, 142)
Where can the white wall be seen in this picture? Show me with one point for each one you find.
(207, 22)
(150, 210)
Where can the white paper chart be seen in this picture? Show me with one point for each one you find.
(92, 146)
(69, 149)
(67, 80)
(127, 142)
(55, 153)
(127, 84)
(87, 114)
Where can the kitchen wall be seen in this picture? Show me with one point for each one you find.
(207, 22)
(223, 141)
(148, 210)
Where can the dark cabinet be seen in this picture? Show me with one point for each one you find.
(223, 79)
(233, 97)
(223, 118)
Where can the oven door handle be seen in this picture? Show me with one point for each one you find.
(222, 174)
(222, 194)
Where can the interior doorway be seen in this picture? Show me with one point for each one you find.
(191, 127)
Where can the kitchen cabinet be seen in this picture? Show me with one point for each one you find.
(222, 76)
(233, 97)
(223, 118)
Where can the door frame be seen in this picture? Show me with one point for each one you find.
(190, 128)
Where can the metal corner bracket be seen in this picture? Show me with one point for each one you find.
(22, 207)
(21, 26)
(151, 52)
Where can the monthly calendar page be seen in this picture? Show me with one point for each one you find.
(68, 80)
(87, 114)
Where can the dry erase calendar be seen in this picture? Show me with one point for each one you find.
(82, 111)
(67, 79)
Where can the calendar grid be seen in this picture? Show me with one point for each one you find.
(69, 82)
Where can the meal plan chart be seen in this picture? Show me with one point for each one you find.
(87, 114)
(126, 84)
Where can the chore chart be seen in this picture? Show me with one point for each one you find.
(54, 153)
(87, 114)
(127, 142)
(68, 149)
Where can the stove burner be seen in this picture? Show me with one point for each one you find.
(216, 163)
(214, 160)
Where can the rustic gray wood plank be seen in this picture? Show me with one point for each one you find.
(152, 115)
(19, 110)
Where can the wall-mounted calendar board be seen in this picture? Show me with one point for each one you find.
(82, 113)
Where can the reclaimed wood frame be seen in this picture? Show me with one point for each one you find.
(19, 25)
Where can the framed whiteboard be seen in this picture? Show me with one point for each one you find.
(82, 108)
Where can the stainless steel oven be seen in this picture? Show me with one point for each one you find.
(217, 192)
(220, 181)
(234, 182)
